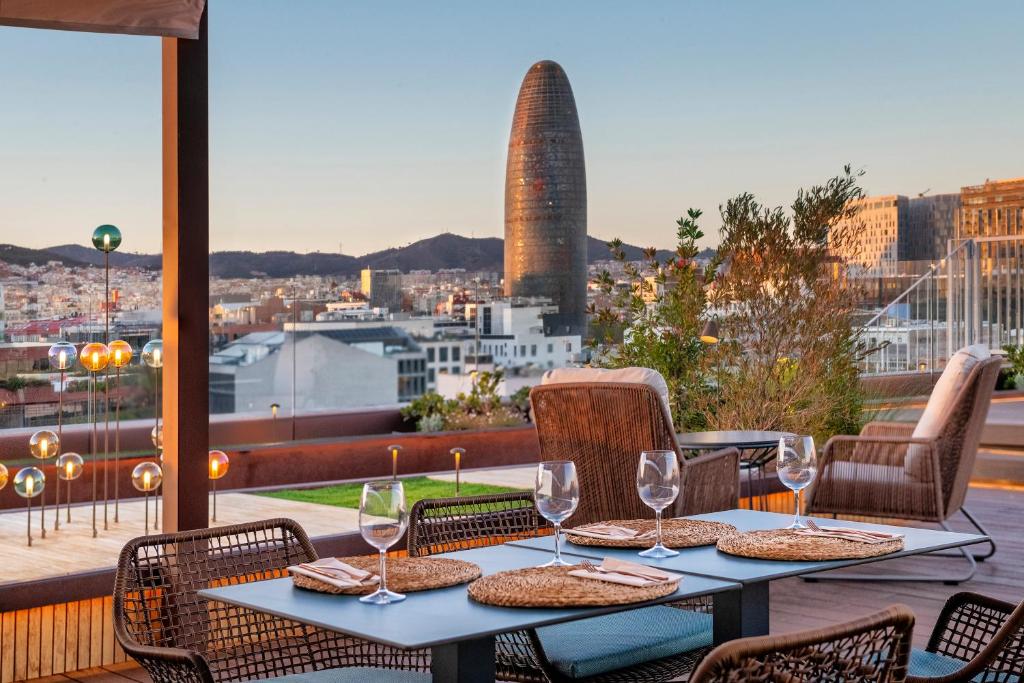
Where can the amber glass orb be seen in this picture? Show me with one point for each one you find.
(95, 356)
(147, 476)
(153, 353)
(44, 444)
(70, 466)
(29, 482)
(120, 353)
(3, 475)
(218, 464)
(63, 355)
(106, 238)
(156, 435)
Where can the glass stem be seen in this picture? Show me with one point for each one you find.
(796, 506)
(558, 549)
(383, 572)
(657, 525)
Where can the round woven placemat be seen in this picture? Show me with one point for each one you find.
(405, 574)
(675, 533)
(784, 544)
(553, 587)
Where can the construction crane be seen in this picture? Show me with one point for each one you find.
(921, 194)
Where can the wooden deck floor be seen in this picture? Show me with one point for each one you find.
(798, 605)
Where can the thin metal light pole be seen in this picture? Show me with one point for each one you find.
(117, 445)
(106, 386)
(159, 452)
(95, 443)
(60, 438)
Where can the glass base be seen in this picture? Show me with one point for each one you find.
(382, 597)
(658, 551)
(797, 525)
(556, 562)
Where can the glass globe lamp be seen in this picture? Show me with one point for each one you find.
(3, 475)
(29, 482)
(62, 355)
(156, 435)
(95, 356)
(70, 466)
(44, 444)
(146, 476)
(218, 464)
(120, 353)
(153, 353)
(106, 238)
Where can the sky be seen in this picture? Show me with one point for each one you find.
(357, 126)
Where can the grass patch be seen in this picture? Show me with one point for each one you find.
(416, 488)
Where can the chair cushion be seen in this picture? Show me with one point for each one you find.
(594, 646)
(931, 664)
(936, 412)
(628, 375)
(357, 674)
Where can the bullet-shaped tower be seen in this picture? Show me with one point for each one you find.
(546, 199)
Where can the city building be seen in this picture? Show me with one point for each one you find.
(991, 209)
(514, 334)
(546, 198)
(383, 288)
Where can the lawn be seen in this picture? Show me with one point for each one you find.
(416, 488)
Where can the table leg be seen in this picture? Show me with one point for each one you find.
(468, 661)
(741, 613)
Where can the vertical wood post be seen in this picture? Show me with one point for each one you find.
(186, 247)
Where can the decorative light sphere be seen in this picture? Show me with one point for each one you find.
(44, 444)
(120, 353)
(70, 466)
(218, 464)
(106, 238)
(153, 353)
(3, 475)
(29, 482)
(156, 435)
(95, 356)
(63, 355)
(147, 476)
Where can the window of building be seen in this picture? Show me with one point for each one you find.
(431, 375)
(442, 354)
(456, 353)
(533, 350)
(455, 369)
(551, 348)
(430, 354)
(522, 350)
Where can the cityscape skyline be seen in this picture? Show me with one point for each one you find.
(376, 129)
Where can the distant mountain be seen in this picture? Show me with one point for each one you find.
(446, 250)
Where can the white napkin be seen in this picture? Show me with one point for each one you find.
(627, 573)
(334, 572)
(608, 532)
(850, 534)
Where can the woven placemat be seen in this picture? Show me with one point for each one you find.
(784, 544)
(675, 533)
(405, 574)
(553, 587)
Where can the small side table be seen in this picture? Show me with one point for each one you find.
(757, 449)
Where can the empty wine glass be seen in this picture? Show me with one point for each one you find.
(382, 521)
(557, 493)
(797, 466)
(657, 482)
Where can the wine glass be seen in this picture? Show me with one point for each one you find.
(382, 521)
(797, 466)
(657, 482)
(557, 493)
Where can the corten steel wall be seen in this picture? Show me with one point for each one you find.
(546, 198)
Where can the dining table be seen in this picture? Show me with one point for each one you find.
(757, 448)
(745, 612)
(458, 631)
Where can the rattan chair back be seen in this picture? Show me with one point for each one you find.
(874, 649)
(445, 525)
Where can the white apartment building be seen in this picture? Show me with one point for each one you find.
(514, 335)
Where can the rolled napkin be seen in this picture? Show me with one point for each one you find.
(626, 573)
(609, 532)
(333, 571)
(849, 534)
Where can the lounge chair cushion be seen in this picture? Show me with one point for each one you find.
(357, 674)
(594, 646)
(936, 413)
(931, 664)
(627, 375)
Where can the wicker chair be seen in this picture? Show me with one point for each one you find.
(603, 427)
(872, 475)
(177, 636)
(977, 638)
(580, 651)
(873, 649)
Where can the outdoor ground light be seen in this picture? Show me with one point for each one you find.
(218, 468)
(44, 445)
(106, 238)
(394, 450)
(69, 468)
(146, 477)
(274, 407)
(120, 356)
(458, 453)
(94, 358)
(62, 356)
(29, 482)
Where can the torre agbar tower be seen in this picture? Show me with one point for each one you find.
(546, 199)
